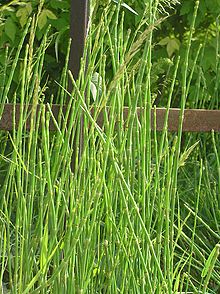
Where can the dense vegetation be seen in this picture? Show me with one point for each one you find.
(170, 39)
(141, 211)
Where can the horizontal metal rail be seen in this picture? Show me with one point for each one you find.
(195, 120)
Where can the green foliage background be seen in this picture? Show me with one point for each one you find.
(128, 156)
(169, 40)
(13, 18)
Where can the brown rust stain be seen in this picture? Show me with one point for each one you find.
(195, 120)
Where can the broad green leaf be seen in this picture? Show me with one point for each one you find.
(42, 20)
(172, 46)
(29, 8)
(202, 8)
(23, 20)
(164, 41)
(10, 29)
(50, 14)
(187, 7)
(213, 5)
(57, 4)
(23, 14)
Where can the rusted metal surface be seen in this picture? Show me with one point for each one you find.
(78, 30)
(11, 116)
(195, 120)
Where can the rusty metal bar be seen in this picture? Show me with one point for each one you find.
(195, 120)
(11, 116)
(78, 30)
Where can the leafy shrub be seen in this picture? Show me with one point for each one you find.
(169, 41)
(13, 18)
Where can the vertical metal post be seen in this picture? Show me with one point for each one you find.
(78, 30)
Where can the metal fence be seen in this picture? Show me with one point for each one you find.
(195, 120)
